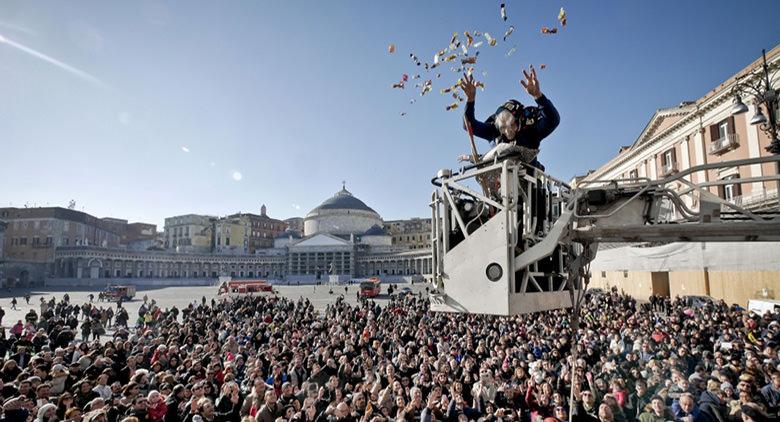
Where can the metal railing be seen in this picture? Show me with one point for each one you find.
(726, 143)
(756, 200)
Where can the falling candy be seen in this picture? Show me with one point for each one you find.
(562, 17)
(427, 87)
(414, 59)
(403, 113)
(503, 12)
(452, 106)
(511, 51)
(464, 49)
(391, 48)
(491, 41)
(469, 39)
(509, 32)
(546, 30)
(451, 58)
(478, 44)
(468, 60)
(402, 83)
(543, 66)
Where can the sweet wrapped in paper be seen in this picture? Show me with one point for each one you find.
(546, 30)
(468, 60)
(452, 106)
(491, 41)
(391, 48)
(562, 17)
(469, 39)
(503, 12)
(509, 32)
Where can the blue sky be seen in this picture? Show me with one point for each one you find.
(296, 96)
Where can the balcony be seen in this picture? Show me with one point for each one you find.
(763, 200)
(725, 144)
(669, 168)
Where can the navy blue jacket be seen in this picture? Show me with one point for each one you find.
(530, 136)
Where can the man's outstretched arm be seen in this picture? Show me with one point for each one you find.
(480, 129)
(549, 117)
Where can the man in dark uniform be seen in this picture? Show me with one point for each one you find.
(513, 122)
(519, 125)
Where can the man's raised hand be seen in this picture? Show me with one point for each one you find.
(531, 83)
(469, 87)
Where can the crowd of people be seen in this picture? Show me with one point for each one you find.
(269, 359)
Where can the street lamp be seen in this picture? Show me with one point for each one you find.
(759, 85)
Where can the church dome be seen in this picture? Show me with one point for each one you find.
(343, 200)
(341, 215)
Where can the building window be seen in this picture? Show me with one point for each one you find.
(603, 274)
(723, 129)
(730, 192)
(22, 241)
(227, 241)
(633, 174)
(625, 274)
(49, 240)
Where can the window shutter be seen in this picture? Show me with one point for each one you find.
(674, 157)
(737, 187)
(714, 133)
(722, 191)
(732, 126)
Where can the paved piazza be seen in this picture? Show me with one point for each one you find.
(167, 297)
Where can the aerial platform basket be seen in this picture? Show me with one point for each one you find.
(509, 239)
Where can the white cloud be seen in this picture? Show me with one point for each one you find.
(184, 148)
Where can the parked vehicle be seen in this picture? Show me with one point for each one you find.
(371, 287)
(238, 288)
(114, 293)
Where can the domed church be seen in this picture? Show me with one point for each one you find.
(341, 215)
